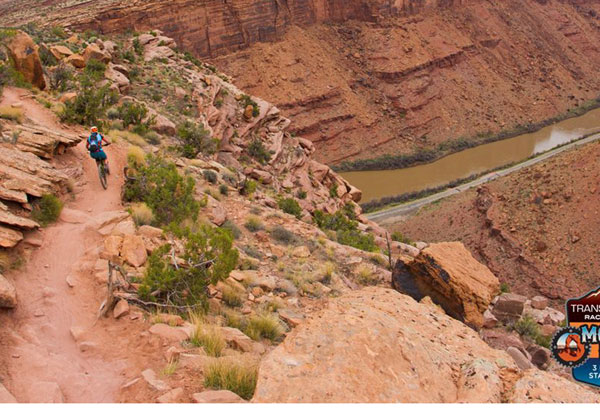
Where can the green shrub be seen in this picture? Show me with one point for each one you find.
(249, 187)
(47, 209)
(345, 228)
(281, 234)
(290, 206)
(247, 100)
(209, 257)
(90, 104)
(236, 377)
(133, 113)
(224, 189)
(265, 325)
(137, 46)
(95, 69)
(399, 237)
(333, 191)
(168, 194)
(253, 224)
(301, 194)
(504, 287)
(358, 240)
(195, 139)
(257, 150)
(528, 327)
(210, 176)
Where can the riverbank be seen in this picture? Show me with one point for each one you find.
(424, 156)
(396, 211)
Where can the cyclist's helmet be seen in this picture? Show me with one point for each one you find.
(94, 129)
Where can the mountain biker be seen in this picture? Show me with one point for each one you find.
(94, 146)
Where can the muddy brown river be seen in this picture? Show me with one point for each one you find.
(378, 184)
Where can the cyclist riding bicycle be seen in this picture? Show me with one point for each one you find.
(94, 146)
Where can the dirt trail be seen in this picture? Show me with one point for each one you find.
(37, 351)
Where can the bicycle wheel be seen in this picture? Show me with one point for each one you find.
(102, 175)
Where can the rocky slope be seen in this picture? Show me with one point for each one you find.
(407, 75)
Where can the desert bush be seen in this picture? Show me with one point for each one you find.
(136, 157)
(247, 100)
(164, 190)
(504, 287)
(234, 319)
(257, 150)
(60, 77)
(90, 104)
(290, 206)
(210, 176)
(195, 139)
(129, 137)
(153, 137)
(224, 189)
(95, 69)
(237, 377)
(253, 224)
(528, 327)
(346, 229)
(365, 275)
(301, 194)
(264, 325)
(232, 297)
(399, 237)
(209, 338)
(235, 231)
(10, 113)
(281, 234)
(47, 209)
(141, 214)
(210, 258)
(132, 113)
(249, 187)
(357, 239)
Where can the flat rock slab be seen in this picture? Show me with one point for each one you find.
(168, 333)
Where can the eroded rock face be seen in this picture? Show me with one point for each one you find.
(448, 273)
(24, 54)
(377, 345)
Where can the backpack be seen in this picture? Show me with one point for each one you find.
(94, 142)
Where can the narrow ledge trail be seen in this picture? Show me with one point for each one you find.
(40, 360)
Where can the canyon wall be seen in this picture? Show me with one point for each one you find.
(365, 78)
(211, 27)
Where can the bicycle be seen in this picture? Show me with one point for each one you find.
(103, 170)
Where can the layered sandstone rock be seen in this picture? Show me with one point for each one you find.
(448, 273)
(376, 345)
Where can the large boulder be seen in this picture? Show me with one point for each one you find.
(377, 345)
(448, 273)
(93, 51)
(24, 54)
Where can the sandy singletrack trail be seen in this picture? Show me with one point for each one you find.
(40, 361)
